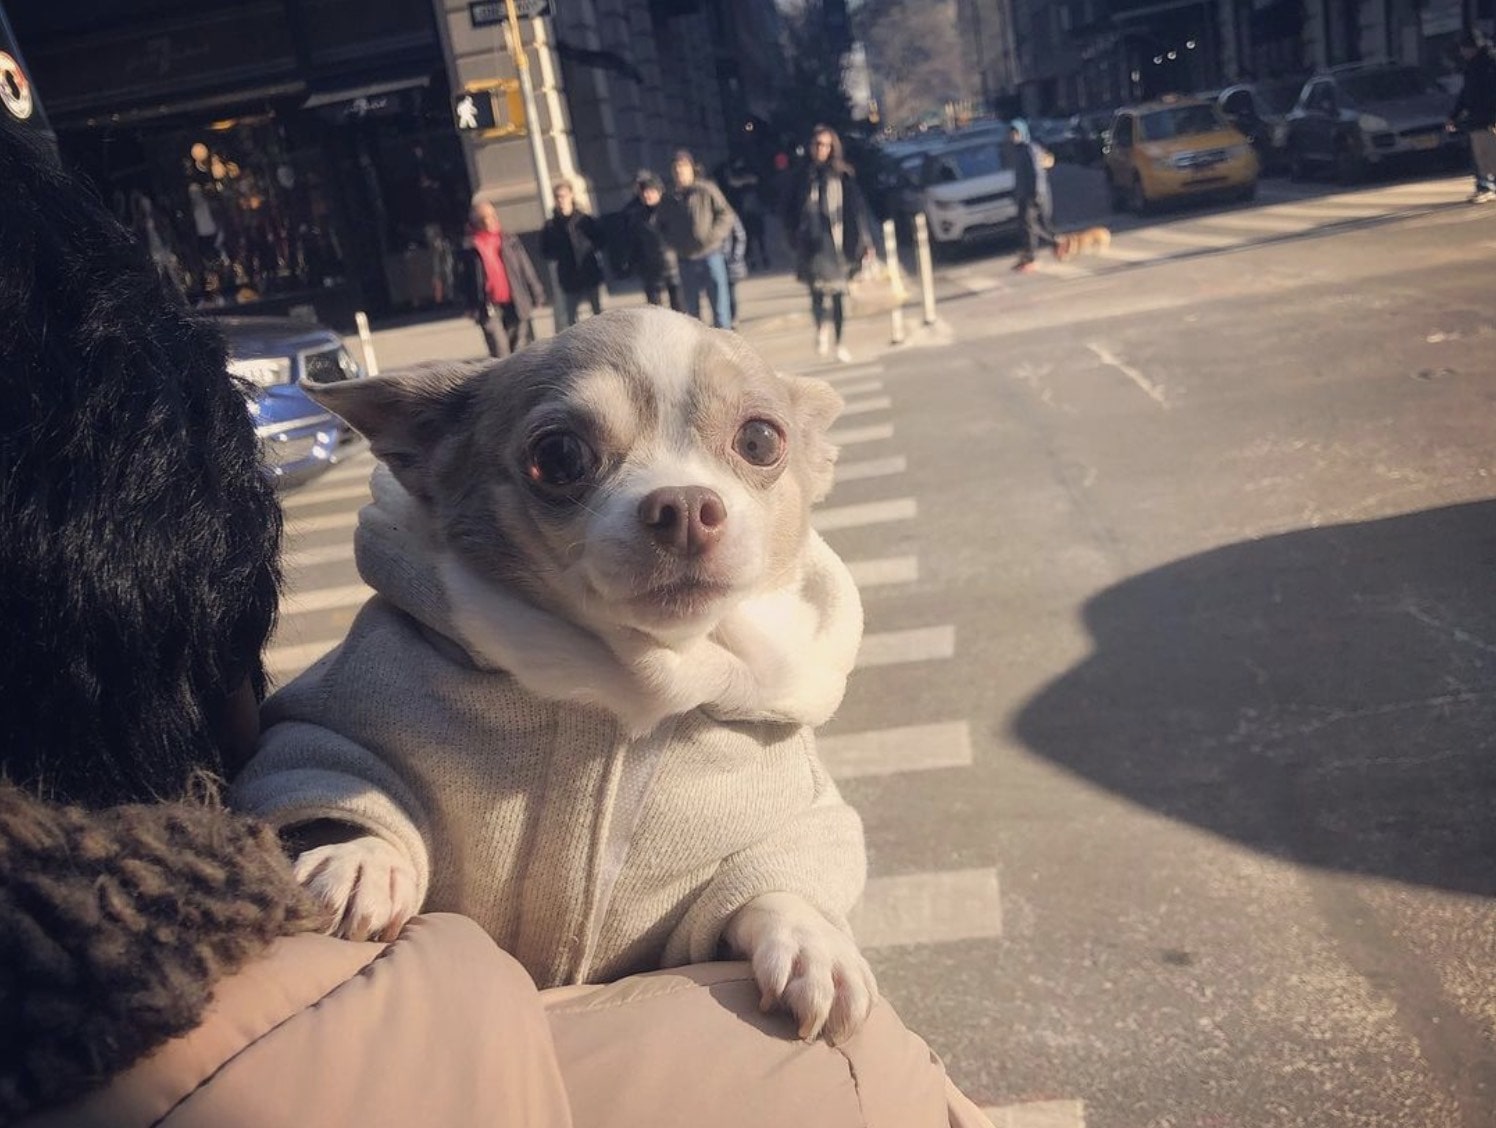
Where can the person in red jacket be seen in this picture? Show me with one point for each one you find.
(501, 285)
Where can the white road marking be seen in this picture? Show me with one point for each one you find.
(325, 599)
(1125, 253)
(1254, 222)
(909, 748)
(847, 436)
(888, 570)
(861, 387)
(321, 523)
(283, 663)
(893, 648)
(867, 513)
(360, 465)
(871, 468)
(1038, 1114)
(844, 372)
(1150, 389)
(928, 908)
(1183, 237)
(863, 406)
(316, 495)
(322, 554)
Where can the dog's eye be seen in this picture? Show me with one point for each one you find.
(559, 458)
(759, 442)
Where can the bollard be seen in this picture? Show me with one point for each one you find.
(895, 279)
(371, 362)
(926, 268)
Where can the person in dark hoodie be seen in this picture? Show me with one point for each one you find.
(158, 959)
(648, 253)
(1475, 111)
(572, 239)
(1031, 163)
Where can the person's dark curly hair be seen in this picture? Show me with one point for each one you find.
(114, 927)
(139, 543)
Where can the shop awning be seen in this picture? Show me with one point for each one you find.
(371, 90)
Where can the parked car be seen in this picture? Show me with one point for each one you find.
(1176, 148)
(1093, 130)
(1260, 110)
(1061, 136)
(273, 355)
(1352, 118)
(967, 192)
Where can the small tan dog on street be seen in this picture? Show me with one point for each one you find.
(578, 707)
(1089, 240)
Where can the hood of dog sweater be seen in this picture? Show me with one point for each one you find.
(781, 655)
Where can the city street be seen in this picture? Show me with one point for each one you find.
(1175, 733)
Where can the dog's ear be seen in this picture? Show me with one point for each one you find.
(817, 404)
(405, 414)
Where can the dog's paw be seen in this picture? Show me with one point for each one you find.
(368, 884)
(806, 964)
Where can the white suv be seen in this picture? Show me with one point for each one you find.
(968, 193)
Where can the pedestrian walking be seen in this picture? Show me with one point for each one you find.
(1031, 164)
(736, 252)
(647, 252)
(499, 285)
(697, 222)
(831, 233)
(572, 239)
(740, 184)
(1475, 111)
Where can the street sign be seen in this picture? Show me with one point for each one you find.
(490, 13)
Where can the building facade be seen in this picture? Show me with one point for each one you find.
(1063, 57)
(307, 155)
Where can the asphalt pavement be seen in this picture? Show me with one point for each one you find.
(1174, 733)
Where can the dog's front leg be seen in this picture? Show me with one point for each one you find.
(368, 884)
(805, 963)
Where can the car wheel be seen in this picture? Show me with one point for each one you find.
(1137, 196)
(1350, 165)
(1298, 168)
(1248, 194)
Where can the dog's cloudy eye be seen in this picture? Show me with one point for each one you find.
(559, 458)
(759, 442)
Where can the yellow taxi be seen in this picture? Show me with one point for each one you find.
(1173, 148)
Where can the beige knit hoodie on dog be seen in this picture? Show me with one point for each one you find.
(585, 851)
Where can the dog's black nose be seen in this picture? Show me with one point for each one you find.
(687, 520)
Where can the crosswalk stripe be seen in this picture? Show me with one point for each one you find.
(892, 648)
(845, 372)
(1182, 237)
(1124, 253)
(321, 522)
(928, 908)
(888, 570)
(1237, 222)
(871, 468)
(860, 387)
(360, 465)
(317, 496)
(322, 554)
(866, 513)
(846, 436)
(1038, 1114)
(325, 599)
(283, 663)
(908, 748)
(863, 406)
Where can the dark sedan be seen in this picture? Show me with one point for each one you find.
(274, 355)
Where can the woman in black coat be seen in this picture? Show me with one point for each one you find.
(831, 232)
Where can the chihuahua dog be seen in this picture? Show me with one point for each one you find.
(579, 706)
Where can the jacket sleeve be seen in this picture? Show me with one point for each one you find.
(817, 853)
(723, 217)
(551, 239)
(528, 277)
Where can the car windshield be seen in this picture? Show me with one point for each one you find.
(1181, 121)
(1279, 97)
(1387, 85)
(963, 164)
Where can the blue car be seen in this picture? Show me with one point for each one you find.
(274, 355)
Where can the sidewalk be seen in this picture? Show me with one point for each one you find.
(775, 318)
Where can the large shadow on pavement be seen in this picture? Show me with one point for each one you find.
(1327, 696)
